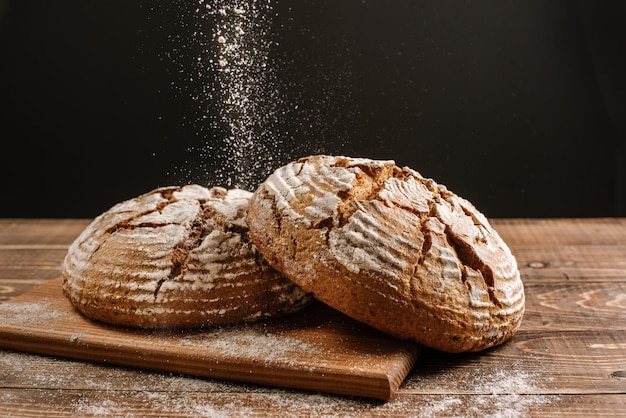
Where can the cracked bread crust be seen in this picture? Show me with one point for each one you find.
(390, 248)
(175, 257)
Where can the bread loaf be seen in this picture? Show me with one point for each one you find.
(176, 257)
(390, 248)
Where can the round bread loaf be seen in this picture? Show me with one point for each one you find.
(176, 257)
(390, 248)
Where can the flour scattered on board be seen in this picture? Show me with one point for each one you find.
(248, 342)
(122, 392)
(26, 313)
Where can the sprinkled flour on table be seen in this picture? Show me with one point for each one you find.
(499, 393)
(118, 391)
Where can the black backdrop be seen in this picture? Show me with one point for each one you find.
(518, 106)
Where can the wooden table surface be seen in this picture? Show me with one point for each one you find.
(567, 359)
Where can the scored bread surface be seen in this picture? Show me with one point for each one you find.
(390, 248)
(176, 257)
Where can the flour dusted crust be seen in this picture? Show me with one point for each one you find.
(390, 248)
(176, 257)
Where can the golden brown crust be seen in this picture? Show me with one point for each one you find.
(176, 257)
(389, 248)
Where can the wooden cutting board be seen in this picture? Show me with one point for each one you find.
(318, 349)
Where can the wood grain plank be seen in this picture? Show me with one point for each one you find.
(548, 362)
(554, 250)
(575, 306)
(531, 363)
(22, 269)
(40, 232)
(45, 258)
(275, 403)
(32, 252)
(566, 250)
(547, 233)
(528, 232)
(568, 359)
(581, 263)
(318, 349)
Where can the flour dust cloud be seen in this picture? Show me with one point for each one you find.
(232, 83)
(249, 117)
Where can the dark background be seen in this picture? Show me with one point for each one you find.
(518, 106)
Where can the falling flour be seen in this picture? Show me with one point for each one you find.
(257, 104)
(232, 81)
(245, 82)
